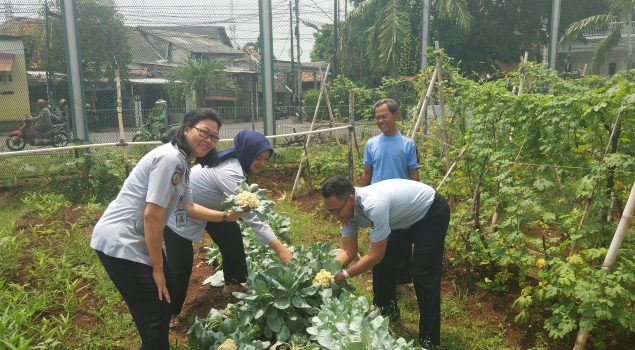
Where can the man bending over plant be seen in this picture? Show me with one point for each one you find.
(399, 213)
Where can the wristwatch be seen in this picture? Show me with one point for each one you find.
(346, 275)
(225, 214)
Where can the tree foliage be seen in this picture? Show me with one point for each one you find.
(192, 79)
(102, 40)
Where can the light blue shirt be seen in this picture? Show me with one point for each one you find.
(209, 186)
(388, 205)
(390, 157)
(161, 177)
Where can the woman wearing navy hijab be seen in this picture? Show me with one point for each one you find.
(210, 181)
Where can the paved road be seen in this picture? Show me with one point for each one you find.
(228, 130)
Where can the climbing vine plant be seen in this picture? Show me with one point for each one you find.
(539, 191)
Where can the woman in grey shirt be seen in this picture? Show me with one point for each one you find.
(129, 235)
(209, 184)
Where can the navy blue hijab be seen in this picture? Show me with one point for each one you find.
(247, 146)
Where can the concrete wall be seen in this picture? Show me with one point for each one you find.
(14, 90)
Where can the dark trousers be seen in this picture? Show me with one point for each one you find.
(180, 255)
(403, 269)
(229, 240)
(136, 285)
(428, 236)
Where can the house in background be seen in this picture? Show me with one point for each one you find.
(156, 50)
(579, 54)
(14, 91)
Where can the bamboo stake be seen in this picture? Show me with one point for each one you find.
(331, 116)
(523, 64)
(425, 102)
(452, 167)
(308, 138)
(611, 255)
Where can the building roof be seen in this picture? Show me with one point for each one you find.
(196, 39)
(16, 25)
(141, 50)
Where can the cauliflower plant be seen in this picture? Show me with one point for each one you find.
(229, 344)
(248, 198)
(324, 278)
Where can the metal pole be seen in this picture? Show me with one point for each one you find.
(294, 98)
(298, 90)
(74, 63)
(555, 24)
(425, 31)
(266, 66)
(335, 35)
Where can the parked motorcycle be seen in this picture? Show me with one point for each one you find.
(18, 139)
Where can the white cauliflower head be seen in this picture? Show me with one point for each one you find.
(229, 344)
(324, 278)
(247, 199)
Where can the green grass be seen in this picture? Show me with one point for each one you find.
(53, 291)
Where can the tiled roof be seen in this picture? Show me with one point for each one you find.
(197, 39)
(141, 50)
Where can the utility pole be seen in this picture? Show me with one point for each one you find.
(335, 37)
(425, 30)
(555, 24)
(294, 100)
(298, 90)
(47, 34)
(74, 69)
(266, 66)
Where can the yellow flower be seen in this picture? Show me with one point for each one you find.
(540, 263)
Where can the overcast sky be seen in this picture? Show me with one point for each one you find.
(239, 17)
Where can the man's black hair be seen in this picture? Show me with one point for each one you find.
(338, 186)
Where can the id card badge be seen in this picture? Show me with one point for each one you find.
(181, 218)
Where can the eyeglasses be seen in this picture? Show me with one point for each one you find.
(207, 135)
(336, 211)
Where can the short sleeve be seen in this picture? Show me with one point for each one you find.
(349, 230)
(160, 186)
(379, 214)
(187, 197)
(368, 154)
(413, 157)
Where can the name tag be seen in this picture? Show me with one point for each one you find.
(182, 219)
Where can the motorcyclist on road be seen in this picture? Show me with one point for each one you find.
(43, 122)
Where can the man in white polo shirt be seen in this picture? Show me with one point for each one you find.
(399, 213)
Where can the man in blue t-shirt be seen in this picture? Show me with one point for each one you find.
(391, 155)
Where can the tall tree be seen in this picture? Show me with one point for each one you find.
(193, 78)
(501, 31)
(102, 39)
(619, 20)
(391, 32)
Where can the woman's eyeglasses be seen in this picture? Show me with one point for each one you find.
(207, 135)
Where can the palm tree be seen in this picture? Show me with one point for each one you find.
(391, 28)
(189, 81)
(621, 11)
